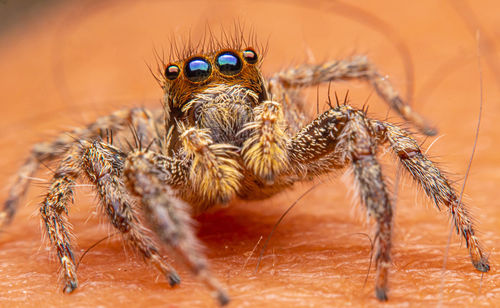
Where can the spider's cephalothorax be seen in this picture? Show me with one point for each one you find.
(218, 111)
(225, 132)
(216, 91)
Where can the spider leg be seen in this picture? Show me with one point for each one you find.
(47, 151)
(357, 67)
(343, 134)
(104, 165)
(169, 216)
(52, 210)
(345, 131)
(435, 185)
(361, 150)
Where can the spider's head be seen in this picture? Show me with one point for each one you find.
(216, 91)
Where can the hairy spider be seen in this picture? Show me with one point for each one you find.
(224, 132)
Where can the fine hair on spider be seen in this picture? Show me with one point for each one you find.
(474, 146)
(183, 46)
(224, 131)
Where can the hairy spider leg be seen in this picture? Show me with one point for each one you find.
(103, 165)
(44, 152)
(169, 216)
(435, 185)
(346, 135)
(357, 67)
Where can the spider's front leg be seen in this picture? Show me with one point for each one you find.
(104, 168)
(335, 138)
(343, 135)
(435, 185)
(52, 213)
(102, 164)
(150, 176)
(142, 120)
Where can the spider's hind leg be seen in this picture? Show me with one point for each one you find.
(356, 67)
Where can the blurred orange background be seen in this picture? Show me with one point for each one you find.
(64, 63)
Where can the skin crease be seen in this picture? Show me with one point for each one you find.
(64, 65)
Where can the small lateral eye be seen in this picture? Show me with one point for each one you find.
(172, 71)
(197, 69)
(250, 56)
(228, 63)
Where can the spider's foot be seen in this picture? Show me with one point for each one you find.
(7, 213)
(482, 265)
(381, 294)
(69, 275)
(173, 279)
(222, 298)
(70, 286)
(217, 291)
(423, 126)
(3, 219)
(429, 131)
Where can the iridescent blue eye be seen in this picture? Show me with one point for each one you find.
(229, 63)
(197, 69)
(250, 56)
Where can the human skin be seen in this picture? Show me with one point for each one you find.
(70, 63)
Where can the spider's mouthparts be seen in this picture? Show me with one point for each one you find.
(225, 121)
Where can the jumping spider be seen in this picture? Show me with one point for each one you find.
(224, 132)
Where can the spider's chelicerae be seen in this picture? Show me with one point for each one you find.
(225, 132)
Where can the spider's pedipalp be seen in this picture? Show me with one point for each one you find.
(169, 217)
(264, 151)
(214, 172)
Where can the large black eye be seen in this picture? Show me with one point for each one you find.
(228, 63)
(197, 69)
(172, 71)
(250, 56)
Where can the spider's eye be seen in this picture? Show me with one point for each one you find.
(228, 63)
(172, 71)
(250, 56)
(197, 69)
